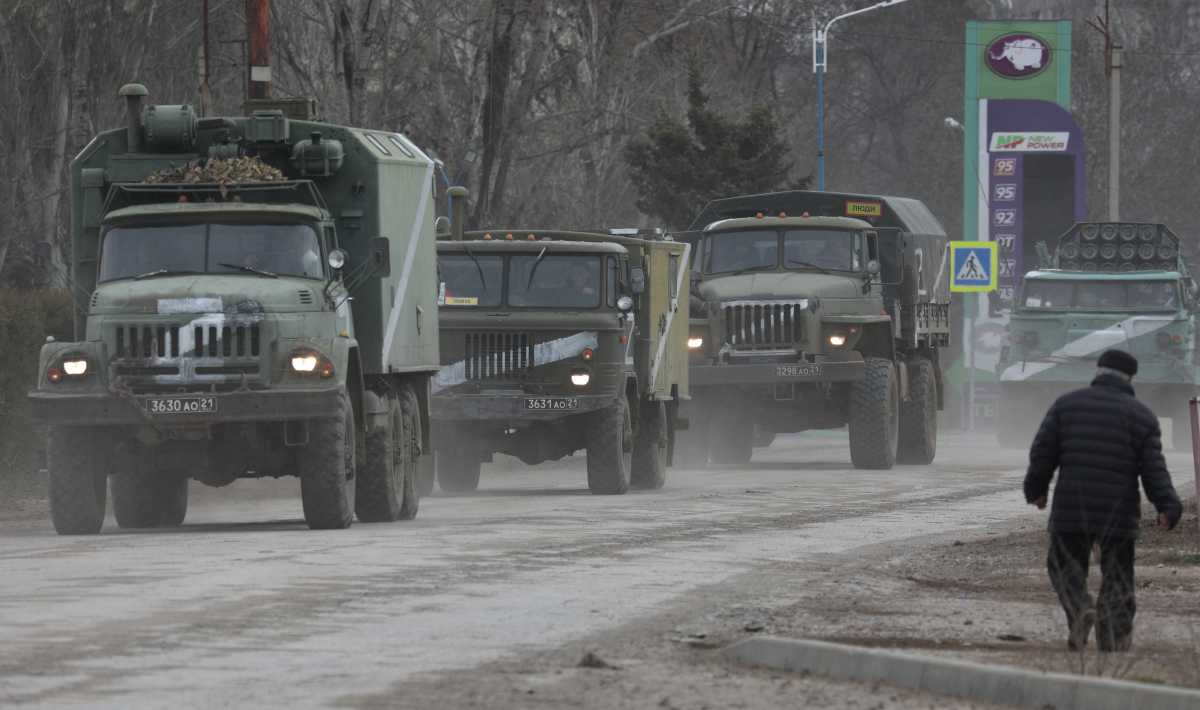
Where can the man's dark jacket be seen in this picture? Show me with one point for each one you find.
(1101, 439)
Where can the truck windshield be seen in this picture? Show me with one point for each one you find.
(472, 282)
(1101, 295)
(236, 248)
(558, 281)
(742, 251)
(758, 250)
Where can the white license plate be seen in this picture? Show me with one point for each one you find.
(181, 405)
(798, 371)
(551, 404)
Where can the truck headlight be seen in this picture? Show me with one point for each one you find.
(581, 379)
(75, 367)
(307, 361)
(837, 340)
(695, 343)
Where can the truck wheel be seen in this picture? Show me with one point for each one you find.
(78, 460)
(410, 407)
(380, 488)
(426, 473)
(874, 416)
(650, 448)
(732, 437)
(327, 470)
(149, 499)
(918, 416)
(691, 444)
(610, 449)
(458, 469)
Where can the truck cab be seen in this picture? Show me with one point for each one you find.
(553, 342)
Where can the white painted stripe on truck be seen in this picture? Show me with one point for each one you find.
(662, 342)
(545, 353)
(1090, 344)
(414, 236)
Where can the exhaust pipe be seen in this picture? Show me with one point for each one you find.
(458, 211)
(133, 94)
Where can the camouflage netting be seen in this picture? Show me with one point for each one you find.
(220, 171)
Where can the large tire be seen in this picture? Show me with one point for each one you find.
(458, 469)
(388, 469)
(874, 416)
(78, 459)
(327, 470)
(426, 473)
(144, 498)
(691, 444)
(410, 406)
(732, 436)
(918, 416)
(610, 449)
(651, 448)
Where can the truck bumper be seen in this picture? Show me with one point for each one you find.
(511, 407)
(822, 370)
(109, 409)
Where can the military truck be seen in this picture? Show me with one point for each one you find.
(256, 298)
(1107, 285)
(814, 310)
(554, 342)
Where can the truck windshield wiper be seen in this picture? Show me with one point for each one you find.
(163, 272)
(248, 269)
(478, 267)
(748, 269)
(536, 264)
(809, 264)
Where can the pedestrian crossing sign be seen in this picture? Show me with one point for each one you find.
(973, 267)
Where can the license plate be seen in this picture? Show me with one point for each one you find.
(551, 404)
(181, 405)
(798, 371)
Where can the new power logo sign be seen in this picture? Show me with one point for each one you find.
(1044, 142)
(973, 267)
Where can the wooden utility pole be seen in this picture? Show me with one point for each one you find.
(1112, 69)
(258, 42)
(205, 95)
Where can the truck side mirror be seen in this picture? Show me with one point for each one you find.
(637, 278)
(872, 249)
(381, 256)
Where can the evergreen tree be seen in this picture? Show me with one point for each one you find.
(677, 166)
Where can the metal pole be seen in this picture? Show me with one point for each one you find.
(821, 122)
(973, 308)
(204, 67)
(258, 27)
(1114, 136)
(1194, 416)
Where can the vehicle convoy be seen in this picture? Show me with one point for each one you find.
(553, 342)
(806, 318)
(240, 315)
(1107, 285)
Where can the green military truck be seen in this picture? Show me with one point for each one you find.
(553, 342)
(1107, 285)
(816, 310)
(256, 298)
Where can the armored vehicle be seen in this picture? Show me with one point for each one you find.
(1107, 285)
(553, 342)
(814, 310)
(256, 298)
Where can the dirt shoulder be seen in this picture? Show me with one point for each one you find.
(988, 599)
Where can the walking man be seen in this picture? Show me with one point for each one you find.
(1102, 440)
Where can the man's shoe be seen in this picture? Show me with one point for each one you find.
(1078, 638)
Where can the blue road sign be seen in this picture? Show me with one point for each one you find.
(973, 267)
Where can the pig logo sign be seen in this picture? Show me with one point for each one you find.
(1018, 56)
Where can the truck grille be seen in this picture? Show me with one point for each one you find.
(147, 341)
(762, 325)
(504, 357)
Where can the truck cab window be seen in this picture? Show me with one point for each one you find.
(559, 281)
(471, 281)
(739, 251)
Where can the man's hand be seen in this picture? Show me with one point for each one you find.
(1040, 503)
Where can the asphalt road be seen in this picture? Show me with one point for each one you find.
(243, 606)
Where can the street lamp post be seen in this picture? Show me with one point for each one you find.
(820, 53)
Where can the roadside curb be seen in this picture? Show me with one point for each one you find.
(1004, 685)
